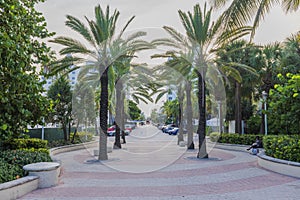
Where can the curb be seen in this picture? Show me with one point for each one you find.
(72, 147)
(284, 167)
(232, 147)
(14, 189)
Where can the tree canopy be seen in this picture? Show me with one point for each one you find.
(21, 52)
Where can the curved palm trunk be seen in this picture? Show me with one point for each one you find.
(117, 144)
(189, 112)
(238, 108)
(202, 120)
(180, 101)
(103, 116)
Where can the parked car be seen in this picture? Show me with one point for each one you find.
(128, 127)
(173, 131)
(168, 127)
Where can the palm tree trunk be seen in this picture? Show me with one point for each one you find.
(180, 101)
(123, 116)
(189, 113)
(103, 116)
(238, 108)
(202, 119)
(117, 144)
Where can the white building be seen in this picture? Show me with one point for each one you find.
(49, 81)
(171, 95)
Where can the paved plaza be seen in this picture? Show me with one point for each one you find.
(152, 166)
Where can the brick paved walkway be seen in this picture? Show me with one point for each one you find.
(226, 175)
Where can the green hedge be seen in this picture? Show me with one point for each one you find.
(283, 147)
(214, 136)
(245, 139)
(25, 144)
(12, 162)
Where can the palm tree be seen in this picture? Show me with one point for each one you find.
(234, 62)
(203, 37)
(180, 64)
(241, 12)
(100, 36)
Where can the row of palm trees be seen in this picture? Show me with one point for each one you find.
(108, 57)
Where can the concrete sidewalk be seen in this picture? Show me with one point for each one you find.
(159, 169)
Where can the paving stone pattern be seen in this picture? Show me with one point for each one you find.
(225, 175)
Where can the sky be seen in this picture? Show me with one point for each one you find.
(151, 15)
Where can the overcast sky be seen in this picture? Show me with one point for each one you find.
(151, 15)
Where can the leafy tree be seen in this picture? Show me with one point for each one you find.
(284, 108)
(83, 104)
(171, 109)
(134, 111)
(21, 52)
(61, 95)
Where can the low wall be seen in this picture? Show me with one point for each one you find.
(280, 166)
(14, 189)
(284, 167)
(73, 147)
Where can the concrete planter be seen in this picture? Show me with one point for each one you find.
(47, 172)
(15, 189)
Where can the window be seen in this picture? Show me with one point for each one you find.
(73, 83)
(73, 78)
(49, 82)
(73, 72)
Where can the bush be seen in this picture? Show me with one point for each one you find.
(82, 137)
(253, 124)
(214, 136)
(283, 147)
(9, 172)
(12, 162)
(24, 144)
(245, 139)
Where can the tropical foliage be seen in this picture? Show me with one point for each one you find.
(21, 52)
(61, 96)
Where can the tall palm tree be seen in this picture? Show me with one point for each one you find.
(179, 62)
(202, 37)
(99, 34)
(241, 12)
(234, 61)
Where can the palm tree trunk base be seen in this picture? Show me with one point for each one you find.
(180, 139)
(103, 158)
(117, 146)
(191, 146)
(202, 155)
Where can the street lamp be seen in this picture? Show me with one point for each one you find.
(265, 95)
(220, 120)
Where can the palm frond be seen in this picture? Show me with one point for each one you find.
(76, 25)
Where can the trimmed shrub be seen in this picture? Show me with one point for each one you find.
(283, 147)
(214, 136)
(82, 137)
(12, 162)
(245, 139)
(24, 143)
